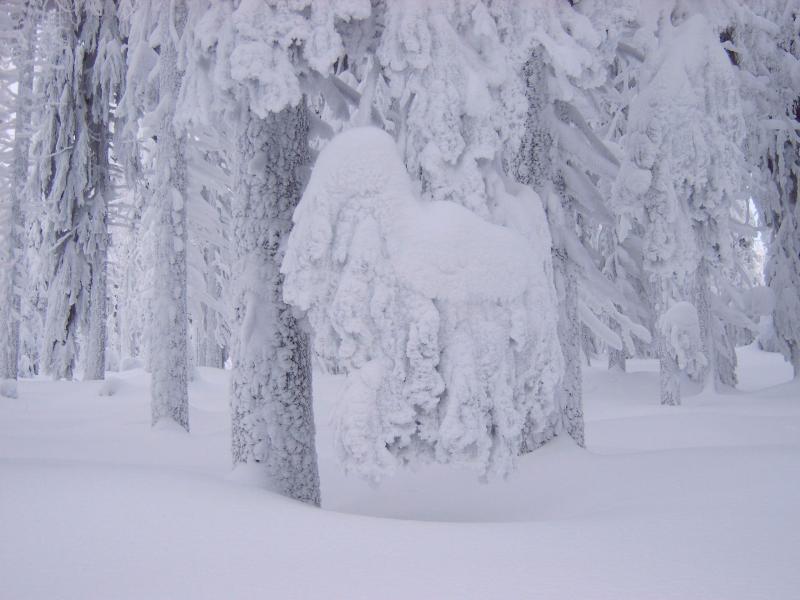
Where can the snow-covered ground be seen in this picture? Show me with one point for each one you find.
(699, 501)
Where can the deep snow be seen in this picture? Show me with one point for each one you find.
(698, 501)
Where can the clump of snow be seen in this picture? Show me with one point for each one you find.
(8, 388)
(444, 323)
(109, 387)
(680, 327)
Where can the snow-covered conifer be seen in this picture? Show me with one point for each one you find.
(251, 64)
(456, 105)
(763, 37)
(71, 157)
(564, 156)
(19, 21)
(683, 169)
(106, 76)
(443, 321)
(152, 84)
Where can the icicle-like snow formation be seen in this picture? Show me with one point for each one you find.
(444, 323)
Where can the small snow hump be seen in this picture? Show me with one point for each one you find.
(442, 320)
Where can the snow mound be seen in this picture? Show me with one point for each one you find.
(109, 387)
(8, 388)
(443, 322)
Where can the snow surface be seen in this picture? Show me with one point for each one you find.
(698, 501)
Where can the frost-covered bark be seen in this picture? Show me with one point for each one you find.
(271, 404)
(570, 390)
(533, 165)
(168, 336)
(104, 85)
(24, 18)
(242, 61)
(617, 358)
(668, 376)
(210, 352)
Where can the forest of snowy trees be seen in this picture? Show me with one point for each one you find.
(455, 204)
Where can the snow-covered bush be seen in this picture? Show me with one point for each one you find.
(680, 327)
(444, 323)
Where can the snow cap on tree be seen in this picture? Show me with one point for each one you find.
(260, 52)
(463, 104)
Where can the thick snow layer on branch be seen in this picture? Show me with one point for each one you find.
(443, 322)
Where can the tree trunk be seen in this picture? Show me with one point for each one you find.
(271, 403)
(669, 376)
(726, 355)
(570, 391)
(13, 281)
(794, 357)
(169, 351)
(700, 293)
(98, 258)
(617, 360)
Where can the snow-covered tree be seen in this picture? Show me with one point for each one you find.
(151, 92)
(209, 247)
(443, 321)
(71, 169)
(104, 86)
(250, 66)
(18, 26)
(449, 91)
(763, 39)
(683, 169)
(567, 157)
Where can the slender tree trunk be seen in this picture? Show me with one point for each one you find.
(533, 166)
(669, 376)
(794, 357)
(616, 358)
(96, 334)
(570, 391)
(209, 350)
(726, 355)
(669, 371)
(169, 350)
(718, 346)
(271, 403)
(700, 293)
(9, 344)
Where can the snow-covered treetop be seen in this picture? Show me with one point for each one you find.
(260, 52)
(683, 149)
(443, 322)
(453, 82)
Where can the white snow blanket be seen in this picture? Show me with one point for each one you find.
(444, 323)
